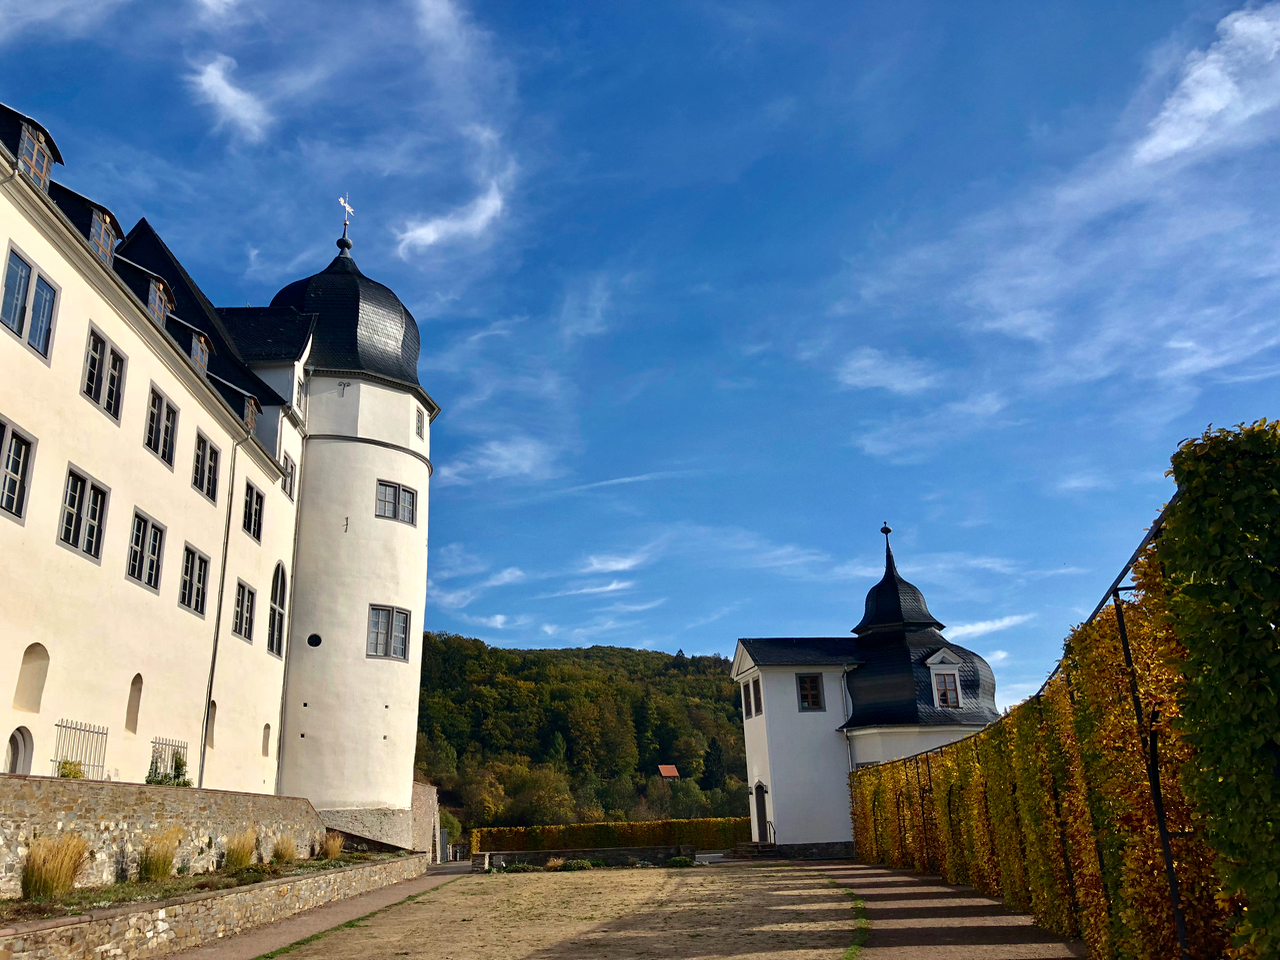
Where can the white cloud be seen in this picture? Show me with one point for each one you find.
(868, 368)
(467, 222)
(233, 106)
(715, 615)
(982, 627)
(65, 16)
(997, 656)
(1221, 91)
(583, 313)
(635, 607)
(612, 587)
(504, 577)
(618, 563)
(520, 458)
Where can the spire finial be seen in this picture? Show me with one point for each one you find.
(886, 530)
(345, 244)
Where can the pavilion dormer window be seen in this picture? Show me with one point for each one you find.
(250, 412)
(102, 237)
(158, 303)
(200, 353)
(948, 690)
(34, 158)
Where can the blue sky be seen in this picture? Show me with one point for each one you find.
(708, 291)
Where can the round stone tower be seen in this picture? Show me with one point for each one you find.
(352, 678)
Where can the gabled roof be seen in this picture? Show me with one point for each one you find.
(269, 334)
(668, 770)
(11, 131)
(801, 651)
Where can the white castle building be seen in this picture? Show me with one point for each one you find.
(213, 522)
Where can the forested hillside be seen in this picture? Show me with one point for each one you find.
(523, 737)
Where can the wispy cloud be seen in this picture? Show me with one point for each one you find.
(233, 106)
(470, 221)
(618, 563)
(997, 656)
(584, 312)
(635, 607)
(612, 586)
(983, 627)
(868, 368)
(522, 458)
(715, 615)
(72, 17)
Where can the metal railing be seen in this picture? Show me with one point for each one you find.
(79, 750)
(168, 762)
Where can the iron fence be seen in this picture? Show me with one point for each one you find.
(168, 762)
(79, 750)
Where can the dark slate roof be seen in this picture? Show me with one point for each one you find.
(79, 209)
(361, 325)
(801, 651)
(143, 254)
(11, 122)
(893, 602)
(268, 334)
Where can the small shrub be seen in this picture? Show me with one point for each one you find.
(597, 864)
(680, 862)
(71, 769)
(155, 862)
(576, 865)
(240, 848)
(555, 863)
(643, 863)
(285, 850)
(333, 841)
(52, 865)
(521, 868)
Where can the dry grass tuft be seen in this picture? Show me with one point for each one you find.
(333, 841)
(52, 865)
(240, 849)
(555, 863)
(155, 862)
(285, 850)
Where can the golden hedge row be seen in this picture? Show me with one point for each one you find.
(706, 834)
(1051, 808)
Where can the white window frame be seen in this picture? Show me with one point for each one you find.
(246, 602)
(757, 691)
(23, 334)
(165, 405)
(747, 711)
(109, 347)
(944, 662)
(420, 425)
(91, 483)
(288, 476)
(199, 600)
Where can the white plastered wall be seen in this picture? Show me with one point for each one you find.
(100, 628)
(351, 719)
(878, 744)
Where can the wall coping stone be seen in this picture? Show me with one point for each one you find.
(146, 906)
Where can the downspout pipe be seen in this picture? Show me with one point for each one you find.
(848, 710)
(288, 633)
(217, 620)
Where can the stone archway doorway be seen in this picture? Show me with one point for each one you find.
(762, 820)
(17, 754)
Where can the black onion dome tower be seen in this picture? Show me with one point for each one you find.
(361, 325)
(897, 638)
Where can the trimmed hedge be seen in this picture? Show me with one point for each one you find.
(1050, 807)
(706, 834)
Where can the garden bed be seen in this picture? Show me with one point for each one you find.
(84, 899)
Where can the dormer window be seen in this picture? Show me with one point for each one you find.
(101, 237)
(944, 671)
(158, 304)
(200, 353)
(250, 412)
(34, 158)
(948, 690)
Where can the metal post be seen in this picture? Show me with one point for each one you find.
(1151, 757)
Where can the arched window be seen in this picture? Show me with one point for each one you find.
(275, 626)
(208, 730)
(31, 677)
(17, 755)
(266, 739)
(135, 702)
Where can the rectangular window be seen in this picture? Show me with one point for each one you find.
(157, 301)
(34, 158)
(103, 374)
(746, 701)
(948, 691)
(200, 354)
(162, 426)
(252, 511)
(17, 280)
(146, 550)
(388, 633)
(195, 580)
(101, 237)
(396, 503)
(204, 474)
(755, 689)
(42, 316)
(422, 425)
(289, 474)
(242, 620)
(13, 476)
(810, 689)
(250, 413)
(95, 517)
(73, 502)
(301, 401)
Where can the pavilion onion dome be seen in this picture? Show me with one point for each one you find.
(361, 325)
(893, 603)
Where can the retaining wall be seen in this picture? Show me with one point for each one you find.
(117, 818)
(156, 929)
(613, 856)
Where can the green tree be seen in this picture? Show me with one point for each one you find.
(713, 772)
(686, 754)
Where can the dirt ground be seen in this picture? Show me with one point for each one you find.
(731, 911)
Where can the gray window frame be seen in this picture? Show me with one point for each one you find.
(392, 611)
(198, 554)
(253, 494)
(165, 405)
(757, 695)
(24, 335)
(747, 711)
(91, 483)
(822, 693)
(203, 486)
(109, 347)
(400, 490)
(237, 612)
(288, 476)
(152, 523)
(7, 430)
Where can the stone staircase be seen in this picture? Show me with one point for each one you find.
(755, 850)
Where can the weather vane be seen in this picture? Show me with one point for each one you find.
(347, 207)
